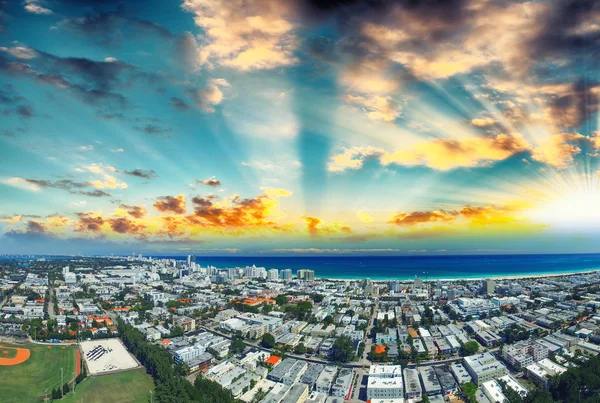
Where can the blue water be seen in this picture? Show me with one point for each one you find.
(407, 267)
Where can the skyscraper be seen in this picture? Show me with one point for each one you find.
(286, 274)
(309, 275)
(273, 275)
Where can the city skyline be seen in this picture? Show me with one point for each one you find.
(299, 127)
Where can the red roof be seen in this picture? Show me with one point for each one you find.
(379, 349)
(273, 360)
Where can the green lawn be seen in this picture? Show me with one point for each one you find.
(125, 387)
(8, 352)
(26, 382)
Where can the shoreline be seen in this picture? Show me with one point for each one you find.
(449, 279)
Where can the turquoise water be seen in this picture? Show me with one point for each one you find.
(407, 267)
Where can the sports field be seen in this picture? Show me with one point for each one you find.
(26, 382)
(125, 387)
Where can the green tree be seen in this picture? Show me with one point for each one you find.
(470, 348)
(300, 349)
(268, 340)
(281, 299)
(425, 399)
(237, 345)
(343, 350)
(469, 389)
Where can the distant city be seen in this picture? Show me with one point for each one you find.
(259, 334)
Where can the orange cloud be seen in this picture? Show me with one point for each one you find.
(441, 154)
(315, 227)
(171, 204)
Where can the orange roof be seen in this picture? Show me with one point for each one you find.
(379, 349)
(71, 332)
(258, 301)
(166, 342)
(127, 308)
(273, 360)
(412, 332)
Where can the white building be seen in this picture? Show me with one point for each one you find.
(385, 382)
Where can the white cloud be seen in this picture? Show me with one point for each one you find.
(37, 9)
(21, 184)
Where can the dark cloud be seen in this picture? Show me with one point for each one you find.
(89, 223)
(111, 28)
(179, 104)
(155, 130)
(565, 33)
(572, 109)
(15, 104)
(141, 173)
(134, 211)
(70, 186)
(35, 226)
(171, 204)
(95, 193)
(123, 225)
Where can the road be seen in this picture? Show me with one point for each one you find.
(50, 305)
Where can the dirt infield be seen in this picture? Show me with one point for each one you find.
(21, 356)
(78, 364)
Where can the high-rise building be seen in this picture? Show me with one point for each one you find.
(273, 275)
(394, 286)
(286, 274)
(489, 286)
(300, 274)
(309, 275)
(418, 282)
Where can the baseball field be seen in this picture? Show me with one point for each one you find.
(31, 369)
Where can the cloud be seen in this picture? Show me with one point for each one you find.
(439, 153)
(244, 35)
(171, 204)
(212, 95)
(376, 107)
(154, 130)
(123, 225)
(108, 180)
(474, 216)
(37, 9)
(483, 122)
(21, 184)
(558, 150)
(238, 213)
(212, 182)
(89, 222)
(179, 104)
(134, 211)
(35, 226)
(141, 173)
(315, 227)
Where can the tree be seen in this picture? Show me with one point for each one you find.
(343, 350)
(469, 389)
(328, 320)
(425, 399)
(281, 299)
(300, 349)
(470, 348)
(268, 340)
(177, 331)
(237, 345)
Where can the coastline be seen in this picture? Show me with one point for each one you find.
(478, 278)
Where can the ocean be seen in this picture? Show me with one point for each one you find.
(407, 267)
(404, 267)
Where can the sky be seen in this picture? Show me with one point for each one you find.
(299, 127)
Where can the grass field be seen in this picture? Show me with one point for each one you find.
(8, 352)
(26, 382)
(125, 387)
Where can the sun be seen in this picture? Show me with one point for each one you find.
(580, 209)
